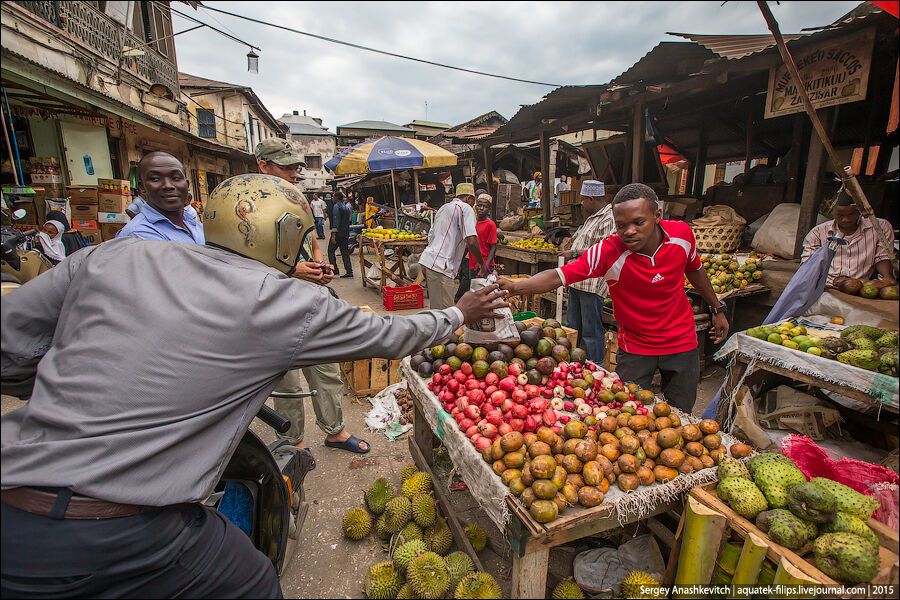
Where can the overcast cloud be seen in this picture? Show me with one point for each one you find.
(556, 42)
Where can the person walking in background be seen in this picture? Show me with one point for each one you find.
(532, 191)
(342, 213)
(486, 230)
(318, 207)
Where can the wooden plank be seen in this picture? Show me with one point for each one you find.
(638, 129)
(529, 574)
(394, 372)
(360, 379)
(546, 182)
(459, 533)
(378, 380)
(422, 434)
(887, 537)
(811, 195)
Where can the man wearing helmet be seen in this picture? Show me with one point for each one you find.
(135, 412)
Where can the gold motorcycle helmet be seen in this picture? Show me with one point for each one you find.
(261, 217)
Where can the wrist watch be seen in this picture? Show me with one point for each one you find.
(718, 309)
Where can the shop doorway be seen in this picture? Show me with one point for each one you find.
(87, 153)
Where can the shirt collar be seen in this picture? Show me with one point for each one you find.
(154, 216)
(834, 230)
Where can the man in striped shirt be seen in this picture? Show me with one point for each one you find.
(861, 254)
(585, 306)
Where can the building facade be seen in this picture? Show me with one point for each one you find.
(351, 134)
(318, 146)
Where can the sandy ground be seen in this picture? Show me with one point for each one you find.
(328, 566)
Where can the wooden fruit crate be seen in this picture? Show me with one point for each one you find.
(716, 548)
(612, 348)
(370, 376)
(572, 334)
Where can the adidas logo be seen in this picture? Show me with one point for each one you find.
(657, 278)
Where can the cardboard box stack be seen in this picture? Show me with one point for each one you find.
(83, 207)
(113, 198)
(111, 223)
(45, 170)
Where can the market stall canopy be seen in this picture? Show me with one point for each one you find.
(390, 154)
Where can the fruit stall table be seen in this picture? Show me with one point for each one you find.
(731, 300)
(395, 272)
(746, 354)
(528, 262)
(529, 540)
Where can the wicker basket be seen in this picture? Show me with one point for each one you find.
(718, 238)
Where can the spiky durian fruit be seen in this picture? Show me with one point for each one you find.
(397, 514)
(424, 510)
(478, 585)
(635, 580)
(406, 552)
(567, 590)
(407, 472)
(420, 483)
(458, 565)
(427, 576)
(356, 524)
(410, 532)
(406, 593)
(477, 537)
(381, 529)
(382, 581)
(378, 495)
(439, 537)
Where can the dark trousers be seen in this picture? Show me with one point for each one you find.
(584, 313)
(185, 551)
(320, 227)
(340, 243)
(680, 374)
(466, 275)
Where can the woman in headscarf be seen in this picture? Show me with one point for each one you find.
(50, 237)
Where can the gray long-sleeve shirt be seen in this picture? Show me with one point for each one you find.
(155, 356)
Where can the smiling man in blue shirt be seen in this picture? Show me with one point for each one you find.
(165, 189)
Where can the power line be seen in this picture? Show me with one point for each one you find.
(228, 35)
(377, 51)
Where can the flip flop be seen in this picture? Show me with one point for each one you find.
(351, 444)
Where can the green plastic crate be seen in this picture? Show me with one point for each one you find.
(523, 316)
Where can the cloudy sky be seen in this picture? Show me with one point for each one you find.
(555, 42)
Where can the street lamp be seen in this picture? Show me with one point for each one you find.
(253, 62)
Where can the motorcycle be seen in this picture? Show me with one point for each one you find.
(261, 489)
(19, 261)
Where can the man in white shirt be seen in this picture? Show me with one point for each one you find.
(319, 207)
(452, 231)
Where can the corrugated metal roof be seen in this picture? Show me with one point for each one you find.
(307, 129)
(666, 60)
(737, 46)
(376, 126)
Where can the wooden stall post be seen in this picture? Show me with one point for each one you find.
(812, 186)
(416, 184)
(489, 178)
(546, 191)
(638, 131)
(790, 194)
(700, 163)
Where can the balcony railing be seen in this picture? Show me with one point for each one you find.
(102, 34)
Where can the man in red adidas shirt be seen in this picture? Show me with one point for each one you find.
(644, 265)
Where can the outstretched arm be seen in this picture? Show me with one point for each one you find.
(545, 281)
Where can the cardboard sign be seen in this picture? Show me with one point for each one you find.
(836, 72)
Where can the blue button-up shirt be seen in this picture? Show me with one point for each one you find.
(150, 224)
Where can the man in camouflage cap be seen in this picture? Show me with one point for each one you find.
(279, 157)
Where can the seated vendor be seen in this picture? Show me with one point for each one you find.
(861, 254)
(50, 237)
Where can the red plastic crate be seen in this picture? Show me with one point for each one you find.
(403, 298)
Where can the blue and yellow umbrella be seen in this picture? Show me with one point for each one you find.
(389, 154)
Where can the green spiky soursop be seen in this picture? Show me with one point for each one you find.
(439, 538)
(889, 362)
(405, 552)
(356, 524)
(846, 557)
(775, 479)
(867, 330)
(424, 510)
(378, 495)
(849, 500)
(743, 496)
(812, 503)
(863, 359)
(863, 343)
(407, 472)
(478, 585)
(766, 457)
(786, 529)
(420, 483)
(846, 523)
(427, 575)
(382, 581)
(397, 514)
(731, 467)
(458, 565)
(888, 340)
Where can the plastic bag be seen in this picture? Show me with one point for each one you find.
(491, 331)
(601, 570)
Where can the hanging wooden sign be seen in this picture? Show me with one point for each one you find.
(835, 72)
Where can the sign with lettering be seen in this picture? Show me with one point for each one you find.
(835, 72)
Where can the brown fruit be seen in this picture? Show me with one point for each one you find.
(608, 424)
(570, 493)
(611, 478)
(530, 438)
(661, 409)
(487, 455)
(608, 438)
(557, 446)
(628, 482)
(695, 462)
(544, 511)
(668, 438)
(709, 426)
(628, 463)
(586, 450)
(571, 464)
(630, 444)
(691, 433)
(694, 448)
(712, 441)
(592, 473)
(527, 477)
(499, 467)
(686, 468)
(640, 455)
(663, 423)
(644, 434)
(544, 489)
(590, 496)
(623, 431)
(539, 449)
(575, 479)
(740, 450)
(604, 484)
(651, 424)
(707, 461)
(651, 448)
(570, 445)
(496, 450)
(649, 463)
(664, 474)
(561, 502)
(514, 460)
(517, 487)
(591, 435)
(605, 464)
(717, 454)
(645, 475)
(671, 457)
(616, 470)
(528, 497)
(559, 477)
(512, 441)
(622, 420)
(559, 458)
(610, 452)
(543, 467)
(676, 420)
(546, 435)
(575, 429)
(509, 475)
(638, 422)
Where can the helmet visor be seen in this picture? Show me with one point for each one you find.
(292, 243)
